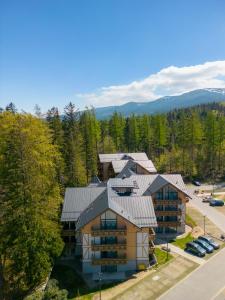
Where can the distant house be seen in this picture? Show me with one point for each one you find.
(110, 165)
(111, 225)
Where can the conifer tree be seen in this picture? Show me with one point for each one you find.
(91, 136)
(29, 203)
(73, 149)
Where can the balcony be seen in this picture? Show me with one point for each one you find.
(109, 247)
(167, 202)
(177, 212)
(169, 223)
(99, 231)
(68, 232)
(151, 247)
(122, 259)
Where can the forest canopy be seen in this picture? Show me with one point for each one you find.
(41, 155)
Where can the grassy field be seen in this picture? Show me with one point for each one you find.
(181, 243)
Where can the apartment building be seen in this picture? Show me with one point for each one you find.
(112, 165)
(111, 224)
(112, 229)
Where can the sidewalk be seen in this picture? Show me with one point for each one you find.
(179, 251)
(153, 285)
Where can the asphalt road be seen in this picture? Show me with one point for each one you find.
(206, 282)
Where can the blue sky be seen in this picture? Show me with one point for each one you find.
(100, 51)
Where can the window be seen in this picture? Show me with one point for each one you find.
(159, 219)
(159, 194)
(109, 240)
(159, 208)
(108, 220)
(123, 191)
(66, 225)
(108, 254)
(108, 224)
(159, 229)
(72, 225)
(171, 208)
(170, 218)
(109, 268)
(170, 230)
(170, 193)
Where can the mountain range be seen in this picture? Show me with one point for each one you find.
(164, 104)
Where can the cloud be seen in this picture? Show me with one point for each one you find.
(167, 82)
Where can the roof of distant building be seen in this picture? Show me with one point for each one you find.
(122, 156)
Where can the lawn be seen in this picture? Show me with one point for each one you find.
(189, 221)
(181, 243)
(161, 256)
(68, 279)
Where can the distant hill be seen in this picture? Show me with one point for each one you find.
(164, 104)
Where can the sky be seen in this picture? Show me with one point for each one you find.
(108, 52)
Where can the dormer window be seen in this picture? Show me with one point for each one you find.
(123, 191)
(126, 157)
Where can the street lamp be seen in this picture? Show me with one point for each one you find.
(204, 224)
(100, 285)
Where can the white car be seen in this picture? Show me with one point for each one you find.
(207, 199)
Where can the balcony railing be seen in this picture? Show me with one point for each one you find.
(177, 212)
(122, 259)
(99, 231)
(68, 232)
(167, 202)
(169, 223)
(109, 247)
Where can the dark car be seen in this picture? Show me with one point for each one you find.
(197, 183)
(215, 202)
(209, 248)
(210, 241)
(195, 249)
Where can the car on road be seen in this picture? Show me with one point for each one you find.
(209, 248)
(215, 202)
(197, 183)
(207, 199)
(196, 249)
(210, 241)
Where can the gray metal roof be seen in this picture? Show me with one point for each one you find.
(76, 200)
(122, 165)
(163, 179)
(140, 208)
(137, 210)
(119, 156)
(84, 204)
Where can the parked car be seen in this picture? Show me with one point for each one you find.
(215, 202)
(197, 183)
(210, 241)
(209, 248)
(195, 249)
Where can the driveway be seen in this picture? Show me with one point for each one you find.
(206, 282)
